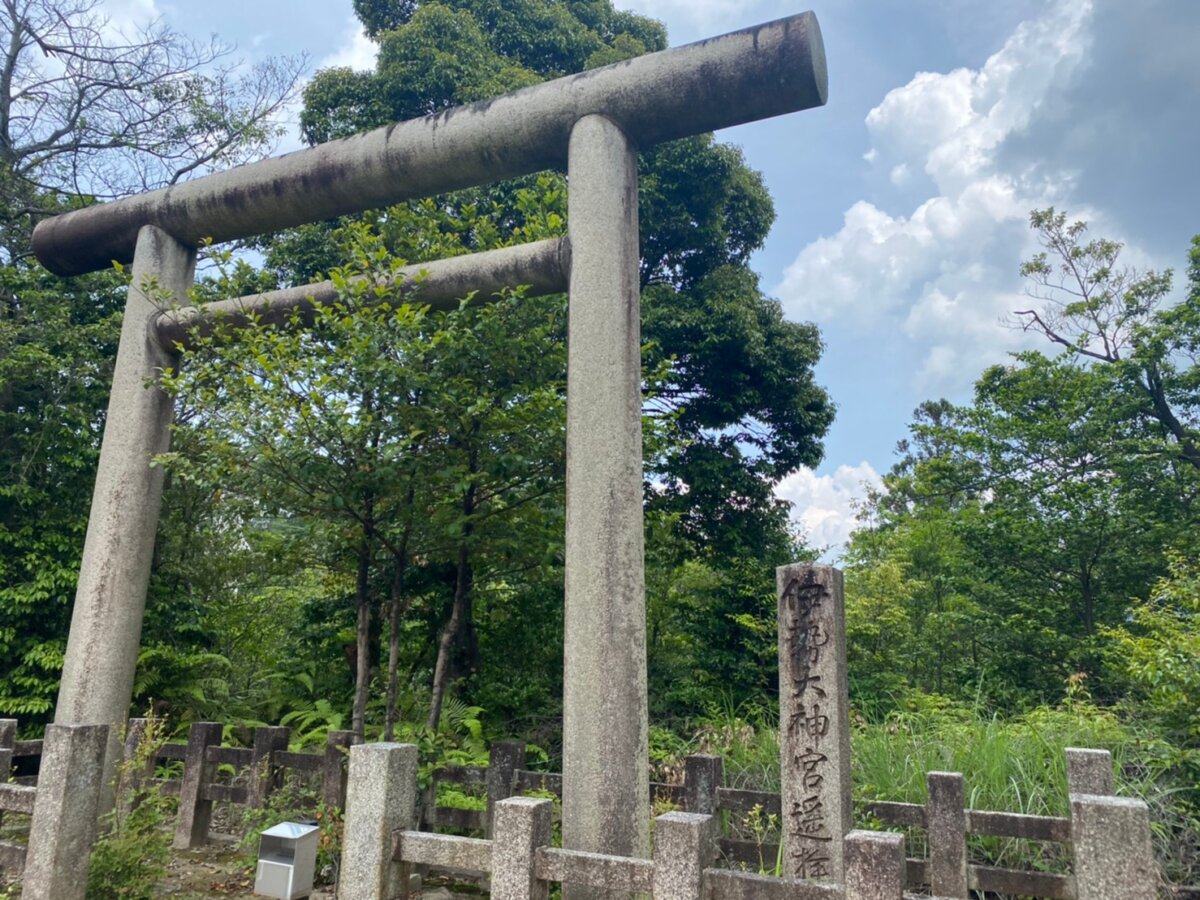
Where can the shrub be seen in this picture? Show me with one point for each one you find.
(131, 856)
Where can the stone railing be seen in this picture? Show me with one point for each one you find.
(1106, 838)
(382, 847)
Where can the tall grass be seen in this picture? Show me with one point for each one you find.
(1011, 764)
(1014, 765)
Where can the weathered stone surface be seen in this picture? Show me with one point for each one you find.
(504, 758)
(381, 801)
(683, 849)
(65, 811)
(8, 739)
(767, 70)
(729, 884)
(334, 767)
(1018, 825)
(814, 727)
(874, 866)
(521, 826)
(264, 776)
(946, 821)
(462, 854)
(702, 778)
(606, 783)
(599, 870)
(17, 798)
(1113, 856)
(1089, 772)
(992, 880)
(542, 266)
(138, 766)
(106, 623)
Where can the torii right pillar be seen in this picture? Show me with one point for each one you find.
(606, 790)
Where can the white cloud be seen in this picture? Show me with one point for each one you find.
(956, 121)
(946, 273)
(356, 51)
(823, 505)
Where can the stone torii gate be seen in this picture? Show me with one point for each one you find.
(593, 122)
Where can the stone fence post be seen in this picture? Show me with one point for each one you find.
(265, 776)
(703, 776)
(65, 811)
(135, 776)
(381, 801)
(874, 865)
(333, 770)
(1110, 837)
(1090, 772)
(522, 825)
(504, 758)
(946, 825)
(683, 849)
(8, 740)
(195, 811)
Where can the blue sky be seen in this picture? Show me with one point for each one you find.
(902, 205)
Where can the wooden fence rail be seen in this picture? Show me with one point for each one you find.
(261, 766)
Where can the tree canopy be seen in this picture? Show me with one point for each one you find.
(731, 402)
(85, 113)
(1024, 525)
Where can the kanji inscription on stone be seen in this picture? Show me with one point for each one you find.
(814, 726)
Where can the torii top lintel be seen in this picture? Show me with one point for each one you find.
(756, 73)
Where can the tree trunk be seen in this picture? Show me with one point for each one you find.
(1161, 410)
(462, 598)
(1089, 600)
(362, 589)
(396, 609)
(441, 672)
(362, 638)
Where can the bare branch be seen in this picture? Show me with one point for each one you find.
(88, 109)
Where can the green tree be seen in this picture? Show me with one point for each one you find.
(1043, 507)
(738, 407)
(740, 375)
(423, 437)
(1158, 649)
(57, 343)
(1116, 317)
(84, 114)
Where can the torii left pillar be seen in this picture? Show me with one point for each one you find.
(106, 624)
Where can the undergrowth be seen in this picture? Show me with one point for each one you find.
(1009, 763)
(131, 856)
